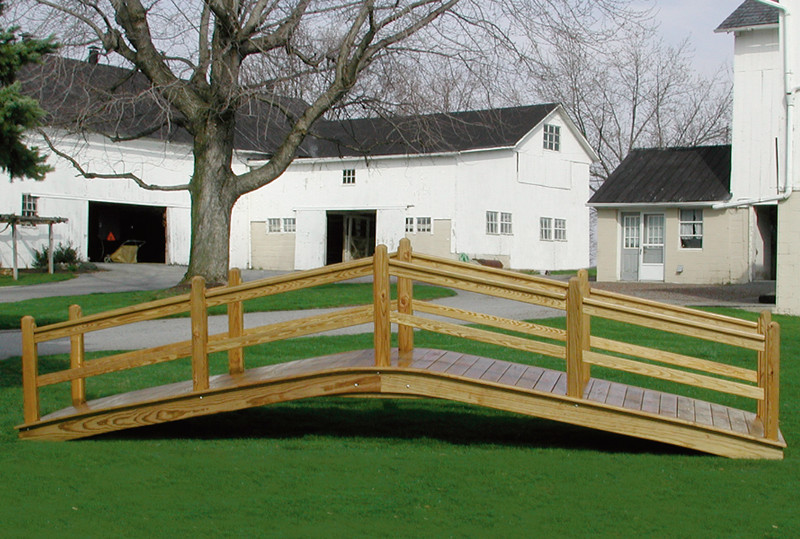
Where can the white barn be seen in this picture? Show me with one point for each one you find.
(490, 185)
(508, 185)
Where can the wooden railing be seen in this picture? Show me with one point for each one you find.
(575, 345)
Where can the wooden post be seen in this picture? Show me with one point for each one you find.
(235, 325)
(583, 277)
(769, 375)
(30, 371)
(199, 334)
(575, 339)
(14, 240)
(764, 321)
(50, 267)
(76, 359)
(405, 293)
(381, 294)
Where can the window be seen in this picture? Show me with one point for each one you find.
(273, 225)
(349, 176)
(691, 229)
(409, 224)
(560, 229)
(289, 224)
(30, 205)
(505, 223)
(631, 231)
(423, 224)
(552, 137)
(546, 228)
(491, 222)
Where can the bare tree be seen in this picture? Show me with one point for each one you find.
(205, 60)
(634, 91)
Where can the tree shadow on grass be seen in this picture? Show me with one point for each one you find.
(448, 422)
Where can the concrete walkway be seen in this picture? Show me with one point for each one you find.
(126, 277)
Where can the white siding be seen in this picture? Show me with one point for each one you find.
(758, 114)
(64, 194)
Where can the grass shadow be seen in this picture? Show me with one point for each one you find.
(449, 422)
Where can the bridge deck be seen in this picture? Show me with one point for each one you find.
(462, 377)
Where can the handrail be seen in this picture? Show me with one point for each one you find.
(656, 306)
(576, 345)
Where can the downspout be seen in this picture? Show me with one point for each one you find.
(785, 190)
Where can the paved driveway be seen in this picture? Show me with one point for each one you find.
(126, 277)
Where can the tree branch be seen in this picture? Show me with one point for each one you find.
(120, 176)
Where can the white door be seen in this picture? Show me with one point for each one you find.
(652, 264)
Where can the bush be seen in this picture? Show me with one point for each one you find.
(65, 256)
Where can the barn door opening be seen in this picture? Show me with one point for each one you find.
(114, 225)
(350, 235)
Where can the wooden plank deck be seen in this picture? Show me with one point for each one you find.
(467, 378)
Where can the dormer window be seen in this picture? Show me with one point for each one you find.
(552, 137)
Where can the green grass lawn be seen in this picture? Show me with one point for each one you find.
(26, 278)
(56, 309)
(385, 468)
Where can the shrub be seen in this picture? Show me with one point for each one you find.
(63, 255)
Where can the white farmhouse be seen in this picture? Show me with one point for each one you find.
(508, 185)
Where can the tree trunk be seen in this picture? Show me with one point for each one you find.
(211, 224)
(213, 198)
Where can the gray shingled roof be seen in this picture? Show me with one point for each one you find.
(669, 175)
(426, 134)
(119, 102)
(750, 13)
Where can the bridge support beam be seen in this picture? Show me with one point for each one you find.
(199, 314)
(381, 292)
(76, 359)
(768, 375)
(405, 292)
(235, 325)
(30, 371)
(577, 340)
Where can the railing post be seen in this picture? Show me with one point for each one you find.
(30, 371)
(381, 293)
(583, 277)
(405, 292)
(768, 375)
(76, 359)
(235, 325)
(575, 339)
(199, 314)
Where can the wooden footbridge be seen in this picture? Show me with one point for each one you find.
(583, 393)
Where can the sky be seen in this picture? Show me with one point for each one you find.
(697, 20)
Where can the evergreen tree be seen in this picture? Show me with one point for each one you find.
(18, 112)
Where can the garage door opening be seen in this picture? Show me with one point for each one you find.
(351, 235)
(111, 225)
